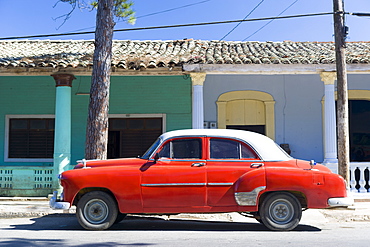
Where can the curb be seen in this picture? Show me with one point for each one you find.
(14, 199)
(362, 200)
(32, 215)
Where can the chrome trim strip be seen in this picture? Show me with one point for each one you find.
(248, 198)
(220, 184)
(187, 184)
(182, 160)
(234, 160)
(174, 184)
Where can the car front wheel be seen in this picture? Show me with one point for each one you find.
(280, 212)
(96, 210)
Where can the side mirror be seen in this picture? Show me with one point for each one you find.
(156, 157)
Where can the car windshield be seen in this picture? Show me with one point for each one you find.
(149, 152)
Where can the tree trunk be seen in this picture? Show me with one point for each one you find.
(342, 103)
(97, 122)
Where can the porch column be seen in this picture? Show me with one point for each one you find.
(62, 135)
(330, 123)
(197, 80)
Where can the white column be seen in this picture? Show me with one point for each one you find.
(330, 123)
(197, 80)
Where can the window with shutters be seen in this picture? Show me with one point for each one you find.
(30, 139)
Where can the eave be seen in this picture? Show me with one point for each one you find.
(47, 71)
(271, 69)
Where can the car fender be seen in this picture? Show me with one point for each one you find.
(299, 182)
(122, 184)
(249, 187)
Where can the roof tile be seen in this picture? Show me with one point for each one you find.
(128, 54)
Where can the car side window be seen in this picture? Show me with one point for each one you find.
(230, 149)
(165, 151)
(182, 149)
(224, 149)
(247, 152)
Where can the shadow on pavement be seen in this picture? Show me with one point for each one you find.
(25, 242)
(137, 223)
(20, 242)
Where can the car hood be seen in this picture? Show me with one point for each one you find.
(110, 162)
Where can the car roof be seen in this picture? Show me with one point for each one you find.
(264, 146)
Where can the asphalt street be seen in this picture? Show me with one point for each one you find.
(217, 231)
(30, 222)
(13, 207)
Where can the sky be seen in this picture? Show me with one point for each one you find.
(38, 17)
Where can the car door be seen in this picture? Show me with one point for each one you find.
(228, 160)
(177, 179)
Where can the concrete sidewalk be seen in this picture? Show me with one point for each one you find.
(14, 207)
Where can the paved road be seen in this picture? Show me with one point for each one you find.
(32, 223)
(64, 230)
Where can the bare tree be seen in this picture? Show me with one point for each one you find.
(97, 122)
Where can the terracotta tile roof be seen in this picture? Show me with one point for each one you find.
(129, 55)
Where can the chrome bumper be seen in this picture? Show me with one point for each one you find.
(341, 202)
(55, 204)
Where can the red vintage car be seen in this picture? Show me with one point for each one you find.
(202, 171)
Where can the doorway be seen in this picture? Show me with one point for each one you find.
(359, 131)
(261, 129)
(247, 110)
(131, 137)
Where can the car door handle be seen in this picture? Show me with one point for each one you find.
(198, 164)
(256, 165)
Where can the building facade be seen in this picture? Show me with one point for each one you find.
(285, 90)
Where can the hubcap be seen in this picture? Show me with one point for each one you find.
(96, 211)
(281, 211)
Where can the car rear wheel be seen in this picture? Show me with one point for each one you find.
(96, 210)
(280, 212)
